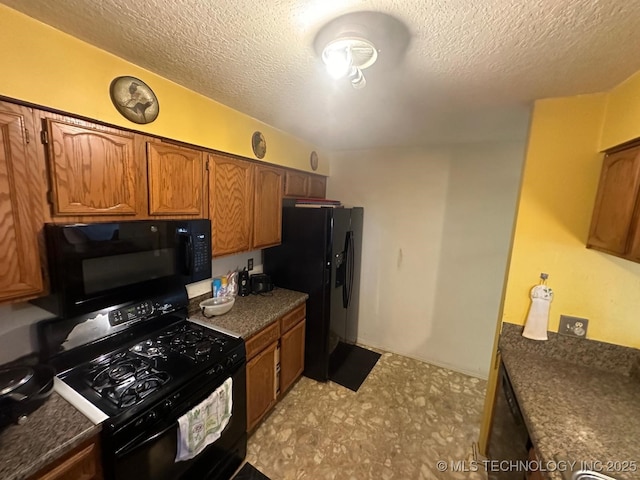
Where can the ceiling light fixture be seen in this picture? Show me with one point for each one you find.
(347, 57)
(350, 43)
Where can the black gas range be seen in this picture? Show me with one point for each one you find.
(137, 368)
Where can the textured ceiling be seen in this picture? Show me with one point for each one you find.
(469, 72)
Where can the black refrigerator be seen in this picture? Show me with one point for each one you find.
(320, 255)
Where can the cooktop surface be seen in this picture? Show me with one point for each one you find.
(124, 378)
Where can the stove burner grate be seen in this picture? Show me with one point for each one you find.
(150, 349)
(126, 377)
(141, 388)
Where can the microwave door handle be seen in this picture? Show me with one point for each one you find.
(188, 247)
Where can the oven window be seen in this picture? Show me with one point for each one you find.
(106, 273)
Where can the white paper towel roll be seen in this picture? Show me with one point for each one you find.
(538, 318)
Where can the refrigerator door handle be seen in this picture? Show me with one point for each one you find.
(350, 267)
(348, 281)
(326, 274)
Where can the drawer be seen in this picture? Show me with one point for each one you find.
(288, 320)
(256, 343)
(82, 463)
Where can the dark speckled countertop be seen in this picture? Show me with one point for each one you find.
(50, 432)
(588, 412)
(251, 314)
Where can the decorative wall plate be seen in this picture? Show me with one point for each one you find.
(134, 99)
(259, 144)
(313, 160)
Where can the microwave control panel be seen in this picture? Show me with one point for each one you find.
(200, 252)
(132, 312)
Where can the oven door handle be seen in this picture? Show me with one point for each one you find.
(133, 445)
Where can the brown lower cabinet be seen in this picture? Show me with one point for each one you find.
(261, 384)
(275, 360)
(533, 473)
(81, 463)
(291, 355)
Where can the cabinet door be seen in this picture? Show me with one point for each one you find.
(261, 385)
(92, 170)
(615, 202)
(296, 184)
(230, 204)
(267, 207)
(82, 463)
(317, 186)
(20, 206)
(176, 180)
(291, 356)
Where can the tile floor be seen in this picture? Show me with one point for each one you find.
(407, 416)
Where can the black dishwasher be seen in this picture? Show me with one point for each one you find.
(508, 438)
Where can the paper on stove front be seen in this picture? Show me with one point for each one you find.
(204, 424)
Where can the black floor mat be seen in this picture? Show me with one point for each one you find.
(350, 365)
(249, 472)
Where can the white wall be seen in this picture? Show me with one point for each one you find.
(17, 329)
(437, 227)
(483, 189)
(222, 266)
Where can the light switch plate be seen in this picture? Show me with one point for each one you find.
(573, 326)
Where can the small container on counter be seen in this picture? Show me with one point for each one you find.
(215, 287)
(232, 283)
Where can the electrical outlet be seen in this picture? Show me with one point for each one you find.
(250, 264)
(573, 326)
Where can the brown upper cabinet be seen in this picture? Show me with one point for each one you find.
(92, 169)
(300, 185)
(296, 184)
(175, 179)
(230, 204)
(267, 207)
(616, 215)
(20, 205)
(245, 205)
(317, 186)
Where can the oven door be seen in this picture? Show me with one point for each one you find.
(151, 456)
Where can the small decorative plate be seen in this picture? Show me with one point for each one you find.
(313, 160)
(134, 99)
(259, 144)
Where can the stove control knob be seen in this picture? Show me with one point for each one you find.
(168, 404)
(151, 416)
(219, 368)
(229, 362)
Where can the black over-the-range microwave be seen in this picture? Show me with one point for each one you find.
(99, 265)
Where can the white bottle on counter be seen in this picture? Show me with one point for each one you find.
(538, 318)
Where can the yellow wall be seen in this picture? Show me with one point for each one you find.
(622, 114)
(44, 66)
(559, 183)
(560, 179)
